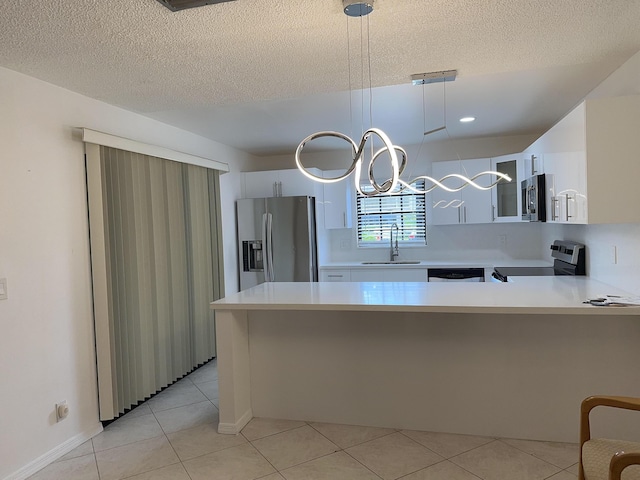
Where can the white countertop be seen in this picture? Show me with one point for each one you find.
(527, 295)
(438, 264)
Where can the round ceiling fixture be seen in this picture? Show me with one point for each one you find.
(357, 9)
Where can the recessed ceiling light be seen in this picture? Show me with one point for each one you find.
(467, 119)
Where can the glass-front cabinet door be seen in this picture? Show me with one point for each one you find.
(505, 201)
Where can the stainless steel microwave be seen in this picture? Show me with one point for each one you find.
(533, 192)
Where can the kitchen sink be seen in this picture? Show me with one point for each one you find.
(391, 263)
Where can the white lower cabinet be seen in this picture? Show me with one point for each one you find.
(405, 275)
(373, 274)
(335, 275)
(367, 275)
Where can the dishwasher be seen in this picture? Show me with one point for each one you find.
(455, 275)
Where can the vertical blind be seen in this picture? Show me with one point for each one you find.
(377, 214)
(161, 238)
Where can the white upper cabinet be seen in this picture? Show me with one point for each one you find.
(337, 201)
(468, 205)
(280, 183)
(592, 157)
(505, 197)
(533, 164)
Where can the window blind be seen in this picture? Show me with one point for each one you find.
(377, 214)
(156, 248)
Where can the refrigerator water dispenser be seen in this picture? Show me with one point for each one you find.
(252, 256)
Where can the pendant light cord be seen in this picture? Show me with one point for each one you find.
(349, 67)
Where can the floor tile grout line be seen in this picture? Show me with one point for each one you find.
(95, 459)
(355, 445)
(463, 468)
(276, 433)
(131, 443)
(265, 458)
(308, 461)
(424, 468)
(365, 466)
(154, 469)
(536, 456)
(492, 439)
(501, 440)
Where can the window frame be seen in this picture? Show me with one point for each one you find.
(406, 224)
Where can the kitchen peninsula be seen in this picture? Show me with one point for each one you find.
(495, 359)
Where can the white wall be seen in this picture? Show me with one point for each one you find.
(47, 345)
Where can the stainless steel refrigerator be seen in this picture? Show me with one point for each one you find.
(277, 240)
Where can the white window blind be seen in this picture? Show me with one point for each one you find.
(377, 214)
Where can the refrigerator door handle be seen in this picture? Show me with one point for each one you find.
(265, 246)
(267, 242)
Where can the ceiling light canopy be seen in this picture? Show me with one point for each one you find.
(357, 9)
(434, 77)
(177, 5)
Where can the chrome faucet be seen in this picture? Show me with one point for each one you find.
(393, 251)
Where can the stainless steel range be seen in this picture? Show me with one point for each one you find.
(568, 259)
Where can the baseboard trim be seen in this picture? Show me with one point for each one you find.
(234, 428)
(54, 454)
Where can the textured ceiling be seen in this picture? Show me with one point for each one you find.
(257, 74)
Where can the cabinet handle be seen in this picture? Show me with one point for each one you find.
(344, 219)
(275, 189)
(493, 213)
(567, 198)
(554, 207)
(533, 165)
(459, 215)
(465, 214)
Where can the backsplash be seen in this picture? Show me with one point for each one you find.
(445, 242)
(600, 241)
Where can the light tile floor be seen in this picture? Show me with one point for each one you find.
(173, 437)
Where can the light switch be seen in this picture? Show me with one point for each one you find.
(3, 289)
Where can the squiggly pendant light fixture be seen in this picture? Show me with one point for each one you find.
(395, 184)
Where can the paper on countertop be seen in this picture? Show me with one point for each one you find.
(605, 300)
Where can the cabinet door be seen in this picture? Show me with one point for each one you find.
(505, 197)
(568, 190)
(294, 183)
(343, 275)
(367, 274)
(260, 184)
(445, 206)
(476, 207)
(406, 275)
(533, 165)
(337, 202)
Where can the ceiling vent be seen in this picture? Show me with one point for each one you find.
(177, 5)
